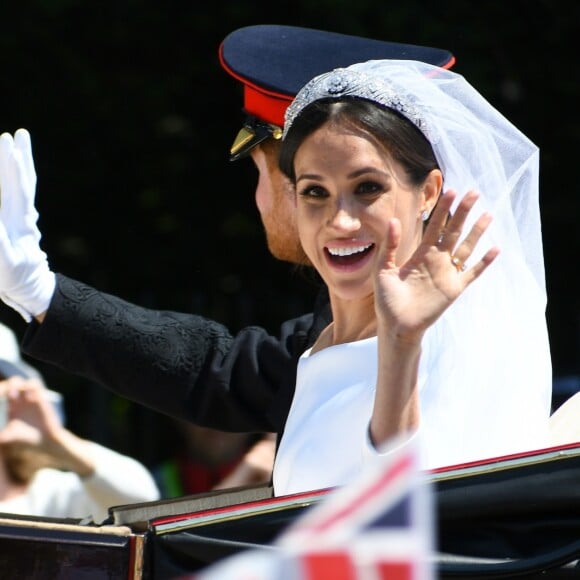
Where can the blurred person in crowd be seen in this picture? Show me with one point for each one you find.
(47, 470)
(205, 459)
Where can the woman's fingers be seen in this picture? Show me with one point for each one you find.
(388, 249)
(435, 230)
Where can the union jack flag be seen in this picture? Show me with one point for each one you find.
(380, 527)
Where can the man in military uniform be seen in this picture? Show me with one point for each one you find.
(181, 364)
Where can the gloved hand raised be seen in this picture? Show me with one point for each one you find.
(26, 281)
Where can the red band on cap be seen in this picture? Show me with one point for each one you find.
(266, 107)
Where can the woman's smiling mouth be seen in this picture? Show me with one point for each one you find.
(348, 255)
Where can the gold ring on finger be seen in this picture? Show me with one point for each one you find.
(459, 265)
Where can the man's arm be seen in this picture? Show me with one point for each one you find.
(179, 364)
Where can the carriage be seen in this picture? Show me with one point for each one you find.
(509, 517)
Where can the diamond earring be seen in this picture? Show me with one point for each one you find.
(425, 215)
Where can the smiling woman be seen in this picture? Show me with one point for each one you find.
(404, 199)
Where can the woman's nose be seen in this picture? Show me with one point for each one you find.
(343, 219)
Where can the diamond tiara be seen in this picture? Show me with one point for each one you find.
(343, 82)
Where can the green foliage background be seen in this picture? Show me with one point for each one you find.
(132, 118)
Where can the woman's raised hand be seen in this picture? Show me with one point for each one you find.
(410, 297)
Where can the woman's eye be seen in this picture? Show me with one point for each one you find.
(313, 191)
(369, 188)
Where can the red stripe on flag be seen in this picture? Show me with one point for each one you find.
(395, 570)
(326, 565)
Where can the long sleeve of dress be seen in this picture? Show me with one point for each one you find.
(118, 480)
(179, 364)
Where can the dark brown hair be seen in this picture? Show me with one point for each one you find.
(389, 129)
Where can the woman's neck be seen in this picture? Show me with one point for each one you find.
(352, 320)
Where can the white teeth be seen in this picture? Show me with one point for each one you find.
(348, 251)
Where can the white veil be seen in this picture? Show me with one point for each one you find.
(486, 363)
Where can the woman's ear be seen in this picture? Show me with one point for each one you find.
(432, 190)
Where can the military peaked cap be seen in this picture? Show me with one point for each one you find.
(274, 62)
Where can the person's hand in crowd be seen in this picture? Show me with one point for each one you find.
(33, 421)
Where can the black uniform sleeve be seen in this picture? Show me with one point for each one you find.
(183, 365)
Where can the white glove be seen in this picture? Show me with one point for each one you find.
(26, 281)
